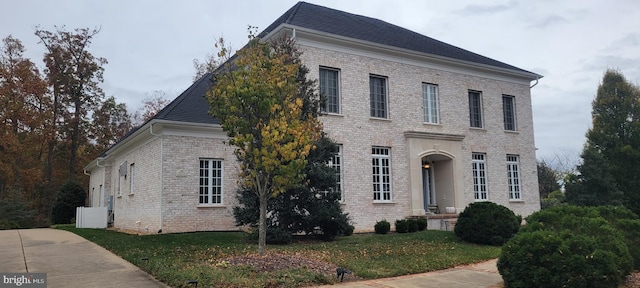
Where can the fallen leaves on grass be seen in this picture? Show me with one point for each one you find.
(277, 261)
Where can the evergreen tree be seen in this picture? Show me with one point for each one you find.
(312, 209)
(609, 172)
(547, 179)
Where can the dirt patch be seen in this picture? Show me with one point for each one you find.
(633, 280)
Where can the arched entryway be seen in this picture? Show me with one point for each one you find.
(437, 182)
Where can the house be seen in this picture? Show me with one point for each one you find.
(424, 128)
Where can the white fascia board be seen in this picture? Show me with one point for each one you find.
(323, 40)
(158, 127)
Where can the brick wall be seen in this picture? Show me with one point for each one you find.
(181, 209)
(358, 132)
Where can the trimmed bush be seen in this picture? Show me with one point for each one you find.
(402, 226)
(575, 248)
(413, 225)
(349, 230)
(621, 218)
(382, 227)
(487, 223)
(422, 224)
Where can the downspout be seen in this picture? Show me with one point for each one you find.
(534, 84)
(161, 173)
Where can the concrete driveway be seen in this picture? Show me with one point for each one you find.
(68, 259)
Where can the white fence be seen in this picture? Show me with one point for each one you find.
(91, 217)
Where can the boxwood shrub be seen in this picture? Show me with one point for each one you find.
(422, 224)
(573, 250)
(402, 226)
(487, 223)
(382, 227)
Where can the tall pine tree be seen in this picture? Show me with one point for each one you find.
(609, 172)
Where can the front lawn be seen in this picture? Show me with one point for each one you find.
(226, 259)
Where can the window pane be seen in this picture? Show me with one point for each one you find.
(513, 174)
(329, 88)
(479, 176)
(211, 172)
(378, 97)
(475, 109)
(430, 103)
(381, 174)
(508, 108)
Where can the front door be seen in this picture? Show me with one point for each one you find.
(428, 189)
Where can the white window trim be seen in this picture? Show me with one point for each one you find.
(427, 103)
(479, 167)
(381, 192)
(513, 177)
(209, 196)
(338, 88)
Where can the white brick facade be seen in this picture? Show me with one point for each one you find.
(166, 154)
(410, 138)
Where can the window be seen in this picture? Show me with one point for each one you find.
(509, 110)
(131, 177)
(475, 109)
(513, 175)
(430, 103)
(336, 164)
(381, 162)
(378, 96)
(329, 87)
(479, 176)
(122, 176)
(210, 181)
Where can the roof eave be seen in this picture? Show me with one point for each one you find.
(148, 129)
(296, 31)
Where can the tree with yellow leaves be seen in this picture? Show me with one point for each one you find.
(269, 110)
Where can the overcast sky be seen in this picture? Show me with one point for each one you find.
(150, 45)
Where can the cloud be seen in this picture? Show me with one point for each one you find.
(475, 9)
(546, 22)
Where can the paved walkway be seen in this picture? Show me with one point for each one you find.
(480, 275)
(68, 259)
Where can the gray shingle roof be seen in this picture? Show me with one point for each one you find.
(191, 105)
(359, 27)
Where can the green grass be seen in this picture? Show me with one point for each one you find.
(174, 258)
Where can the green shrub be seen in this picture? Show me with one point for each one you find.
(402, 226)
(422, 224)
(622, 219)
(413, 225)
(576, 251)
(382, 227)
(487, 223)
(16, 214)
(71, 195)
(349, 230)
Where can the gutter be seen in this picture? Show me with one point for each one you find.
(534, 84)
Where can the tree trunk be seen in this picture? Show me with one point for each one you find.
(262, 224)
